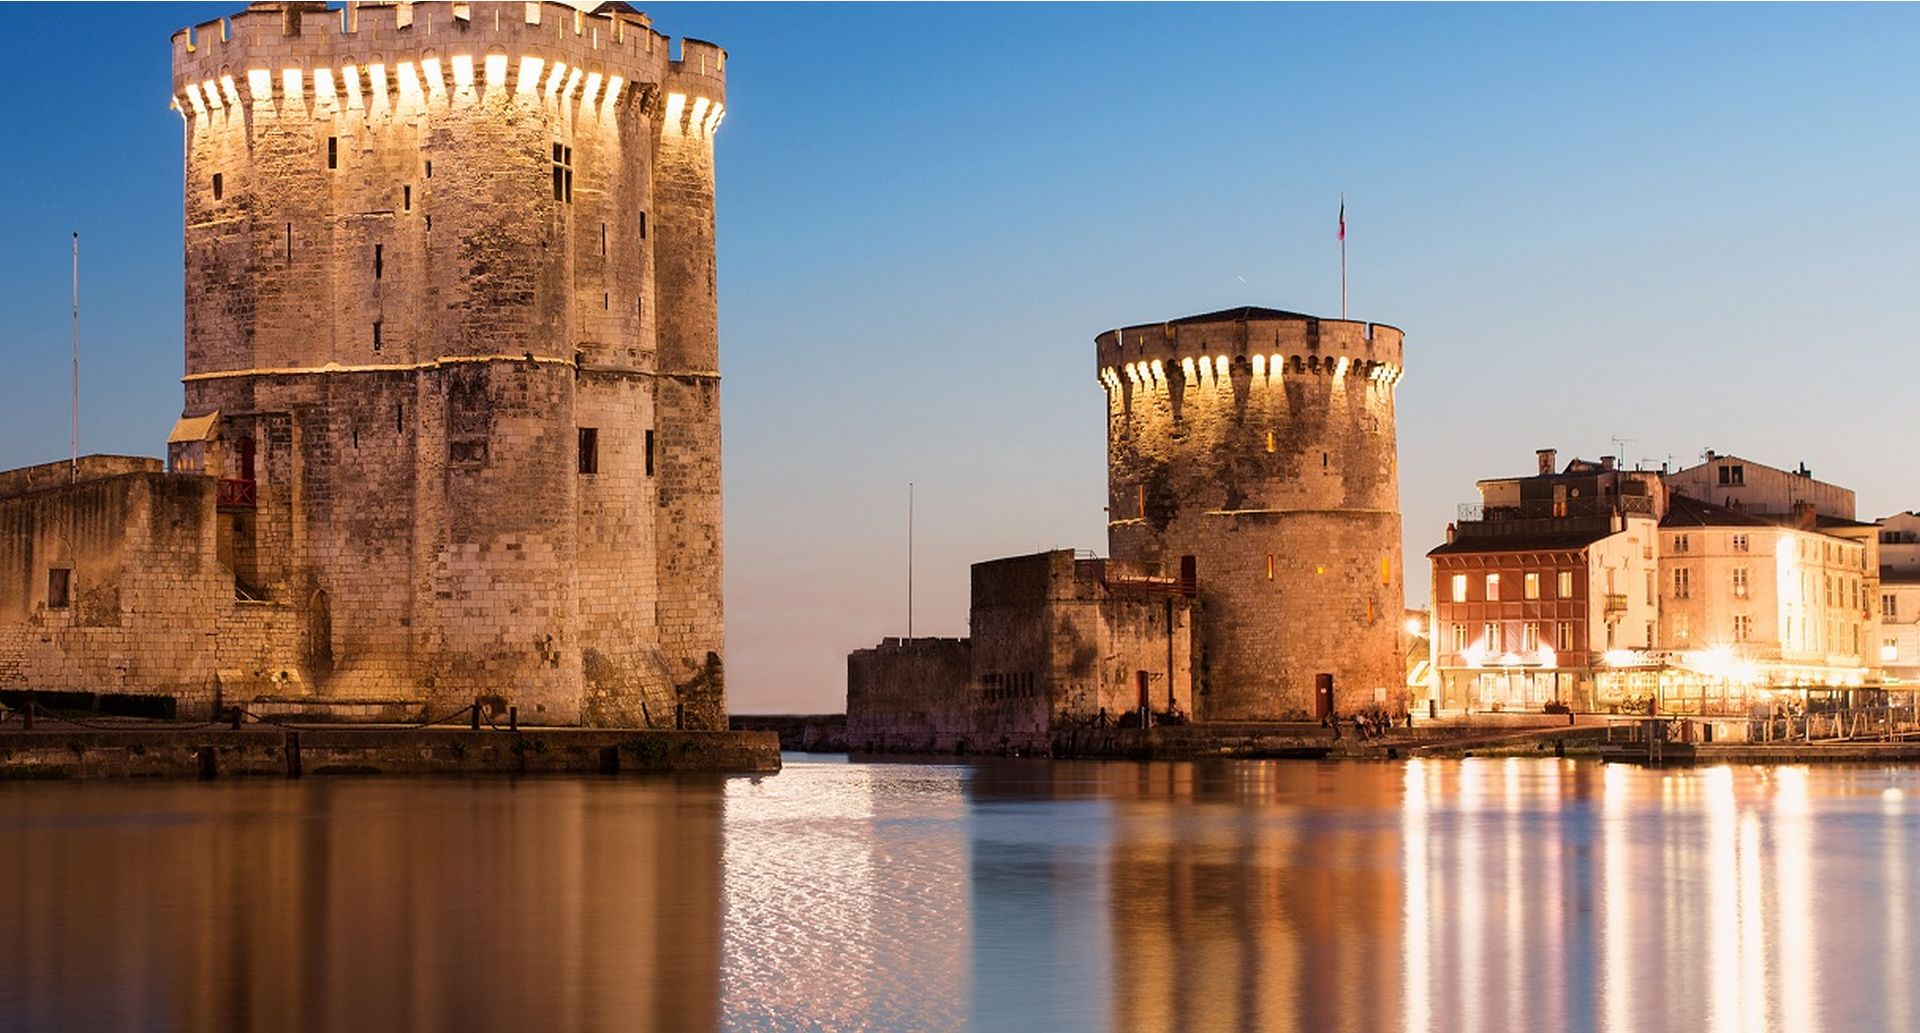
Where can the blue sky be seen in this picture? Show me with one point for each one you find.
(1689, 226)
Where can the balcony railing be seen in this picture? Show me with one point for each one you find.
(235, 493)
(1616, 602)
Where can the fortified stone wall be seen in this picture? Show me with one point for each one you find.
(450, 271)
(1056, 641)
(910, 696)
(148, 607)
(1252, 452)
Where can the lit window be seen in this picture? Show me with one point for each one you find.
(1566, 584)
(1269, 566)
(1740, 543)
(1563, 636)
(1889, 606)
(1490, 636)
(1531, 586)
(1682, 583)
(1493, 588)
(1742, 627)
(1739, 582)
(1270, 443)
(1530, 636)
(1889, 650)
(1459, 588)
(1459, 638)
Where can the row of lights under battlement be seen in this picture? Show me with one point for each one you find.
(1219, 370)
(377, 88)
(621, 35)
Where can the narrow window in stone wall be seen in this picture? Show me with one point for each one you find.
(1386, 570)
(562, 173)
(376, 335)
(649, 453)
(643, 225)
(1142, 501)
(589, 450)
(406, 198)
(606, 299)
(379, 260)
(429, 170)
(218, 190)
(1269, 441)
(429, 223)
(289, 242)
(59, 588)
(333, 152)
(603, 238)
(1269, 566)
(400, 418)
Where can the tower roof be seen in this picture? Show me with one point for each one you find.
(1242, 314)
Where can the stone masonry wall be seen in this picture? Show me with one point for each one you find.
(910, 696)
(426, 245)
(151, 609)
(1261, 445)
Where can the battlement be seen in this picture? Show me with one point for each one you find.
(396, 56)
(1259, 344)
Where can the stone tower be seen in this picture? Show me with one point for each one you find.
(1251, 452)
(450, 300)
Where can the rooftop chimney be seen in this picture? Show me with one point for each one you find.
(1803, 516)
(1606, 462)
(1545, 455)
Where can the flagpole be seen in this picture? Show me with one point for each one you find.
(73, 470)
(909, 561)
(1343, 255)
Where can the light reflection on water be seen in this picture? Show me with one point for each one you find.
(1008, 895)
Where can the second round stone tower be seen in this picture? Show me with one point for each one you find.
(1251, 454)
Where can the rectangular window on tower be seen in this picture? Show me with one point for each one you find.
(406, 198)
(589, 450)
(218, 187)
(1269, 566)
(59, 588)
(379, 260)
(333, 152)
(649, 453)
(376, 335)
(562, 173)
(643, 225)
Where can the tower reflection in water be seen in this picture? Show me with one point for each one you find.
(361, 905)
(1453, 895)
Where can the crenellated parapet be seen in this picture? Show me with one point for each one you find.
(393, 58)
(1255, 346)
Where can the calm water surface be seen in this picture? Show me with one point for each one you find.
(1460, 895)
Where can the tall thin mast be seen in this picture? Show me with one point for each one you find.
(909, 559)
(1343, 255)
(73, 469)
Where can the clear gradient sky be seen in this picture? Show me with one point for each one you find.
(1688, 226)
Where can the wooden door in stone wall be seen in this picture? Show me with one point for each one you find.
(1322, 696)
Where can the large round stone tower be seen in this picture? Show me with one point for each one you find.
(1251, 453)
(450, 292)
